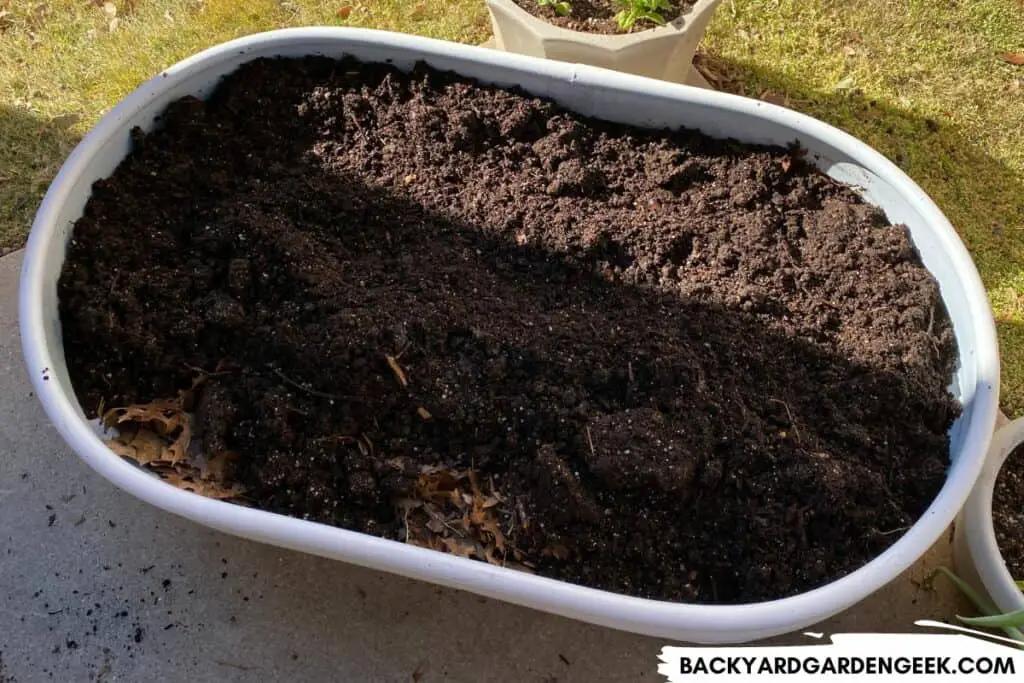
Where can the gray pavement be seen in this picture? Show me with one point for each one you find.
(98, 586)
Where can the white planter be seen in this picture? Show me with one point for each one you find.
(976, 552)
(593, 92)
(664, 52)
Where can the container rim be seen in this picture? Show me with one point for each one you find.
(619, 41)
(640, 615)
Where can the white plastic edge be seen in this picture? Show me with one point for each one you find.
(978, 531)
(608, 41)
(698, 623)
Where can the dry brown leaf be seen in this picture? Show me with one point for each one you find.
(344, 12)
(192, 482)
(458, 547)
(491, 527)
(216, 467)
(419, 10)
(157, 436)
(452, 519)
(142, 446)
(424, 413)
(474, 484)
(1015, 58)
(165, 419)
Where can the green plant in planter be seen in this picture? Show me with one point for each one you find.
(1009, 622)
(637, 10)
(561, 7)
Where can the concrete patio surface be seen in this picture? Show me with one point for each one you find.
(98, 586)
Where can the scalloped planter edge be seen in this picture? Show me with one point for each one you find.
(665, 52)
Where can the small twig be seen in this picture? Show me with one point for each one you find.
(458, 532)
(313, 392)
(590, 440)
(792, 422)
(397, 369)
(205, 374)
(406, 522)
(892, 531)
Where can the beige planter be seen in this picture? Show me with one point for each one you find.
(664, 52)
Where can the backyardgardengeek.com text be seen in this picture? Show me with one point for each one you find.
(846, 665)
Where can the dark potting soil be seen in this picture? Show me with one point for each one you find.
(598, 16)
(1008, 512)
(699, 370)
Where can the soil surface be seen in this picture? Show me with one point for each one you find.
(1008, 512)
(598, 16)
(695, 370)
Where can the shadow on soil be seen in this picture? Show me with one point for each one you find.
(31, 152)
(982, 197)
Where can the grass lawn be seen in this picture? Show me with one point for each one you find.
(920, 80)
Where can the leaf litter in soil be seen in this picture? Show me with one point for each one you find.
(448, 510)
(157, 436)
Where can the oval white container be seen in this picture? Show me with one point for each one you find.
(590, 91)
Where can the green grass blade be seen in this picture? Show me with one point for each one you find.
(983, 604)
(1010, 619)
